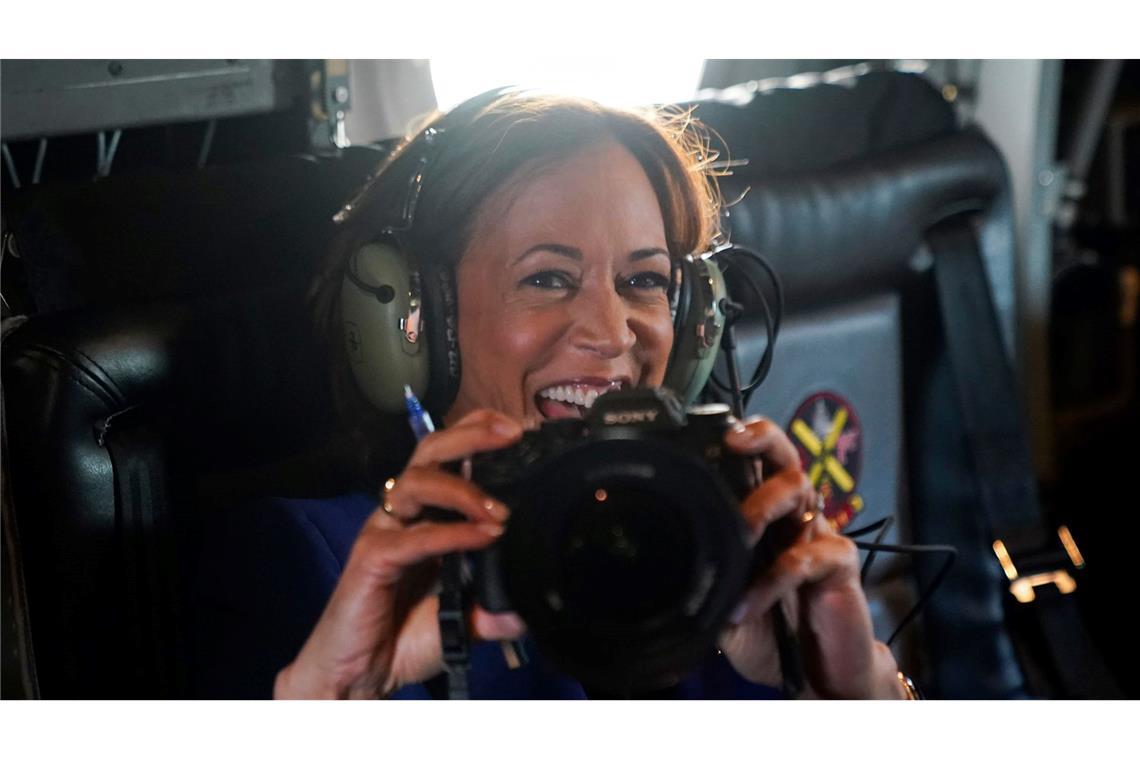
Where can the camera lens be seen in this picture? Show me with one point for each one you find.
(623, 557)
(626, 559)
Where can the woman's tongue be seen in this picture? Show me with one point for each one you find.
(558, 410)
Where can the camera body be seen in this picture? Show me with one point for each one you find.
(625, 550)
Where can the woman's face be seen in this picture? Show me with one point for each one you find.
(563, 296)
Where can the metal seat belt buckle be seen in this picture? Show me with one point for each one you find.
(1044, 573)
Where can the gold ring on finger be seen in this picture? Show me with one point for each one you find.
(387, 505)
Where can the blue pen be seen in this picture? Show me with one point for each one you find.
(418, 418)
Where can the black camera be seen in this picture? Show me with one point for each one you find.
(625, 550)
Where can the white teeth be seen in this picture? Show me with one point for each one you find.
(568, 394)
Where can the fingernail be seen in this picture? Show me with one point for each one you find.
(738, 613)
(491, 529)
(506, 428)
(496, 509)
(739, 430)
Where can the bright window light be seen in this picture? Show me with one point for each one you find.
(614, 81)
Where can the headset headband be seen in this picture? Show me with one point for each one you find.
(401, 315)
(430, 145)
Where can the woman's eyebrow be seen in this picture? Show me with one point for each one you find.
(645, 253)
(571, 252)
(568, 251)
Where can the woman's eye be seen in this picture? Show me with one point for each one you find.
(647, 281)
(551, 279)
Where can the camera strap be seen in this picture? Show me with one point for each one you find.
(453, 626)
(788, 648)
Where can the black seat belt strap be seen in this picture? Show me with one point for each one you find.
(1039, 563)
(453, 626)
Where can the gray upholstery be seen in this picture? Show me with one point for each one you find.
(846, 234)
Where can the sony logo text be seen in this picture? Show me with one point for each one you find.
(625, 418)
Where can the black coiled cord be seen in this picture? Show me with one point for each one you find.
(872, 547)
(741, 264)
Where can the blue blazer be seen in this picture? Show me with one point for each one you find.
(265, 575)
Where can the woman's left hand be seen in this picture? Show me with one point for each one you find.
(816, 579)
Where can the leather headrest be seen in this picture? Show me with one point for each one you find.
(235, 379)
(813, 122)
(853, 229)
(837, 176)
(146, 238)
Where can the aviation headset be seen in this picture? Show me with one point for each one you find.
(399, 309)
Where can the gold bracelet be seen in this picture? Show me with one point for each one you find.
(912, 692)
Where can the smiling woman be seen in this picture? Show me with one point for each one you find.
(586, 192)
(542, 239)
(575, 317)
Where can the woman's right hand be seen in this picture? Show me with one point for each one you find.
(379, 630)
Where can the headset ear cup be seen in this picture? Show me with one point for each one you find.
(375, 296)
(697, 327)
(382, 360)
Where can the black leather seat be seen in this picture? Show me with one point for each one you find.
(844, 182)
(170, 370)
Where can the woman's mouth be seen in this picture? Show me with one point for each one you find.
(572, 398)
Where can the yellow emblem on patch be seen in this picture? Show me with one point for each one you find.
(829, 438)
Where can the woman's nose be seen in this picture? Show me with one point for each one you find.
(602, 323)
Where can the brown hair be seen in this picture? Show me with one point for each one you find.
(469, 179)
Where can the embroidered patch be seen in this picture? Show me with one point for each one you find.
(829, 438)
